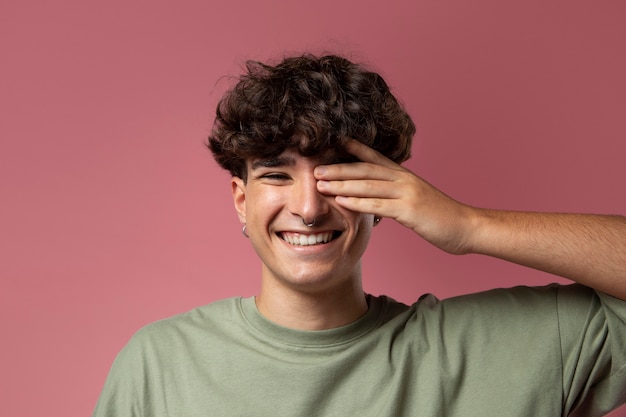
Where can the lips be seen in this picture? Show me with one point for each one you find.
(308, 239)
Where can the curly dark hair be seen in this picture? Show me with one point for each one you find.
(310, 104)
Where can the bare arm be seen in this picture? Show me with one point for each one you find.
(589, 249)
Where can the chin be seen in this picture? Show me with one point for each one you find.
(315, 281)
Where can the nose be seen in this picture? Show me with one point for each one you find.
(306, 202)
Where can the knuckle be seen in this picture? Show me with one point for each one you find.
(376, 204)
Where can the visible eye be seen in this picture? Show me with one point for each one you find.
(276, 176)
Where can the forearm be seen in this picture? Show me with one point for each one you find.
(589, 249)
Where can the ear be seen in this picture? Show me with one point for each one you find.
(239, 197)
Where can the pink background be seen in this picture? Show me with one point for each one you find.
(113, 214)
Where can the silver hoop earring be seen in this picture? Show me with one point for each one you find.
(243, 231)
(308, 224)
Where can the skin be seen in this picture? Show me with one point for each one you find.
(589, 249)
(306, 287)
(319, 287)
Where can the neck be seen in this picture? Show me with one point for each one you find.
(318, 310)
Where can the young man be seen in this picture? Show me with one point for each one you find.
(314, 146)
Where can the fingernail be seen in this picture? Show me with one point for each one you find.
(320, 170)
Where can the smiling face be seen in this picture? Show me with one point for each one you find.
(280, 194)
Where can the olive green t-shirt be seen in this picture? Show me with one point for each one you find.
(524, 352)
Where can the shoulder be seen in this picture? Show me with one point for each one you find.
(512, 301)
(502, 311)
(200, 322)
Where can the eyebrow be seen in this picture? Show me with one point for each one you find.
(328, 158)
(278, 161)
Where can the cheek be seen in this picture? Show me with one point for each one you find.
(365, 226)
(263, 204)
(364, 222)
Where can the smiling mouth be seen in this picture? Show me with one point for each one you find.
(309, 239)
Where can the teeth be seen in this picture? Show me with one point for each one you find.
(307, 240)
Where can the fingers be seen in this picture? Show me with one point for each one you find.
(354, 171)
(367, 154)
(367, 186)
(376, 206)
(360, 179)
(373, 165)
(379, 186)
(358, 188)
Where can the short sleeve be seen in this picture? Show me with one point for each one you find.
(592, 330)
(122, 393)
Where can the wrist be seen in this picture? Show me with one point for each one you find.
(477, 223)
